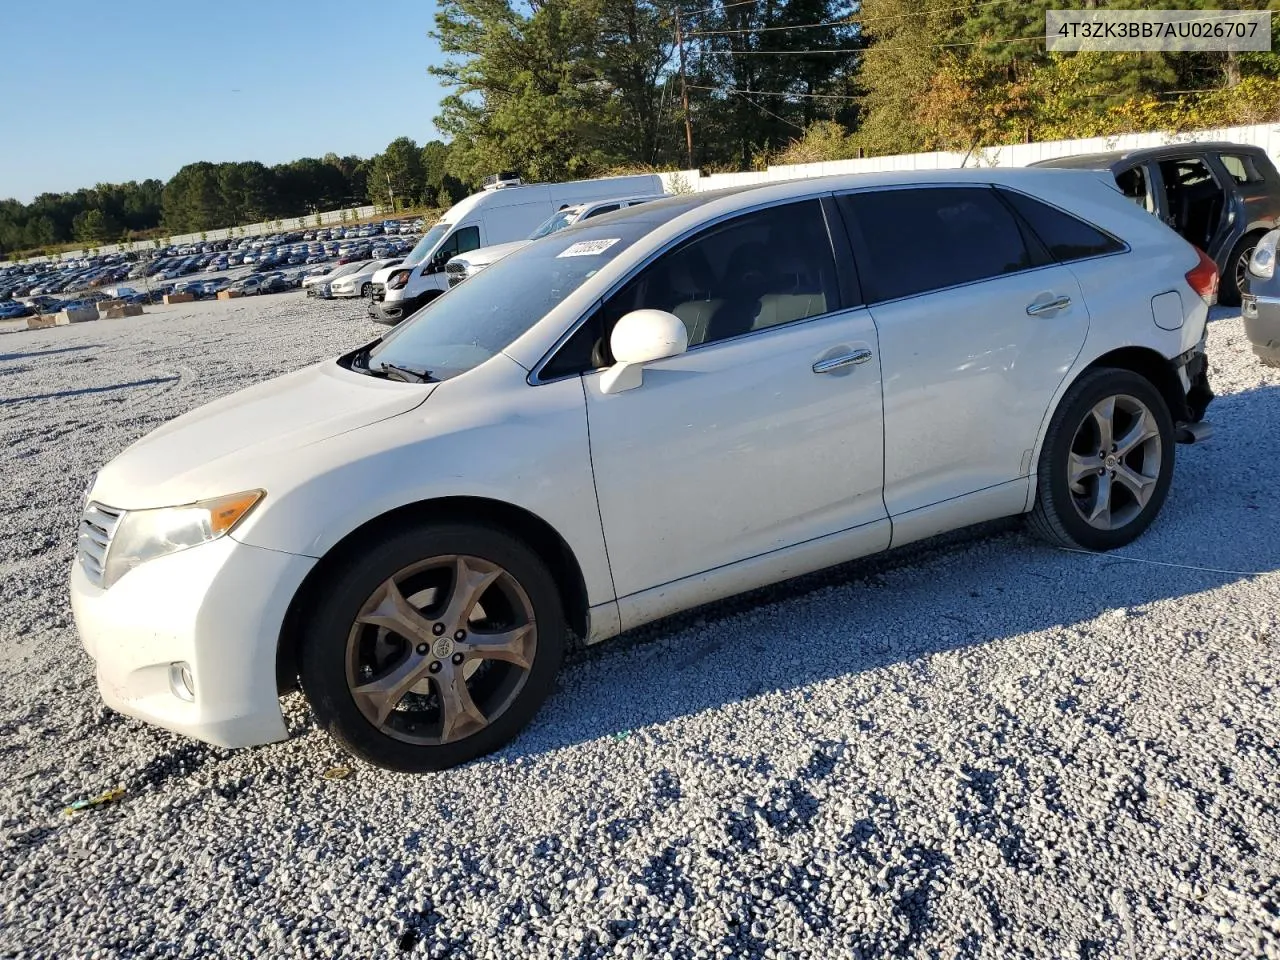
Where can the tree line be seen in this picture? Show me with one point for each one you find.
(205, 196)
(566, 88)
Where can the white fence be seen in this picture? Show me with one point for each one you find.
(1266, 136)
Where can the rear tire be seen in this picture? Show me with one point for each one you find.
(1231, 286)
(1106, 463)
(433, 646)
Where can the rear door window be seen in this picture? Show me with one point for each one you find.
(928, 238)
(1065, 236)
(1241, 167)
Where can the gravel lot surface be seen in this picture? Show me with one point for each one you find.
(992, 750)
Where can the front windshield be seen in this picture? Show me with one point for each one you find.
(478, 319)
(557, 221)
(426, 244)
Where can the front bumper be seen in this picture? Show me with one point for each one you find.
(1261, 320)
(218, 609)
(393, 311)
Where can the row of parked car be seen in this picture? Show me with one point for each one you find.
(266, 254)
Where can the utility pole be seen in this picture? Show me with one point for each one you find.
(391, 192)
(684, 94)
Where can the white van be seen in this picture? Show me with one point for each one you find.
(466, 265)
(503, 211)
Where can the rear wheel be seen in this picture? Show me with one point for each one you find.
(1106, 464)
(435, 646)
(1232, 286)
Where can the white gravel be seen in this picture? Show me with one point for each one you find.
(994, 750)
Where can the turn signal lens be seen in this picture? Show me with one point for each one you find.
(1203, 278)
(225, 512)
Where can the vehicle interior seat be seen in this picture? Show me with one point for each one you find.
(1195, 201)
(690, 283)
(796, 291)
(749, 275)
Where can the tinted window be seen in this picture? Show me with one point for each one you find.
(1066, 237)
(1134, 185)
(933, 237)
(1241, 168)
(608, 208)
(756, 271)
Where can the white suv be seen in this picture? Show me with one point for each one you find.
(630, 418)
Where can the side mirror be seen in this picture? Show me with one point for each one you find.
(641, 337)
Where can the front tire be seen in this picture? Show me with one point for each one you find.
(366, 291)
(1106, 464)
(435, 645)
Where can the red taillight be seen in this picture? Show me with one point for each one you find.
(1203, 278)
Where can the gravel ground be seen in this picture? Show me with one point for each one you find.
(992, 750)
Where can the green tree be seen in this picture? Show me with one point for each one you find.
(397, 175)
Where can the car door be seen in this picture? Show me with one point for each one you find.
(977, 329)
(766, 433)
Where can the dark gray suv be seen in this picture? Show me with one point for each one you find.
(1222, 197)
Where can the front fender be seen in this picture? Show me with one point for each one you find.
(487, 434)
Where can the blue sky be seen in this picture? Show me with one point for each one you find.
(94, 91)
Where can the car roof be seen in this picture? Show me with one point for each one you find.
(1105, 160)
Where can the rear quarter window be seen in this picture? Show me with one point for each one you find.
(1241, 167)
(1066, 237)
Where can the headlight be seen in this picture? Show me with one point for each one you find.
(1263, 262)
(398, 279)
(143, 535)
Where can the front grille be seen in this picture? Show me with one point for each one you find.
(456, 272)
(379, 291)
(97, 527)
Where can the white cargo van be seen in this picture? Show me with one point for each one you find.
(466, 265)
(503, 211)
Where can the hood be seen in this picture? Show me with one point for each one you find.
(484, 256)
(223, 446)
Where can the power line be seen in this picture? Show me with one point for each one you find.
(774, 93)
(776, 53)
(770, 112)
(852, 20)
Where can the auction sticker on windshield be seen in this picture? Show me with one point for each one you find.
(587, 248)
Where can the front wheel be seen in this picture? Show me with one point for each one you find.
(366, 291)
(1106, 464)
(433, 647)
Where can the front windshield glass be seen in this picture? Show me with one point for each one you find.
(477, 319)
(557, 221)
(426, 244)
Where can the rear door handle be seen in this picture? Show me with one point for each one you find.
(1048, 306)
(844, 360)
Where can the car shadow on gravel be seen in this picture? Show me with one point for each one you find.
(971, 587)
(82, 391)
(36, 354)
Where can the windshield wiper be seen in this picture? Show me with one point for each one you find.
(395, 372)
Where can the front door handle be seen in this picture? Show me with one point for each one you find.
(844, 360)
(1048, 306)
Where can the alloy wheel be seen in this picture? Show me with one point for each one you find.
(1115, 462)
(441, 649)
(1242, 268)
